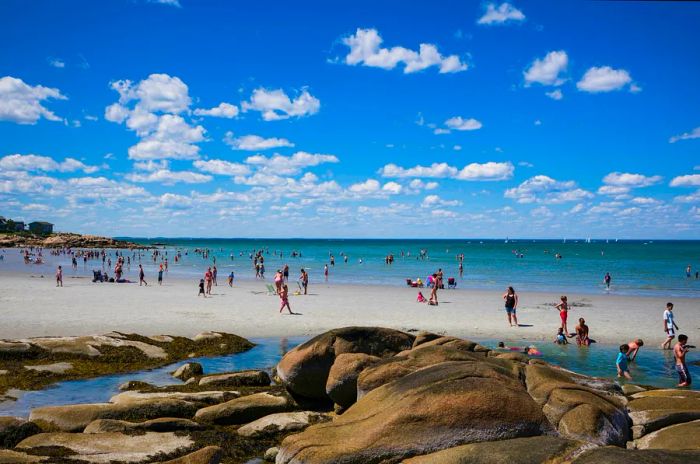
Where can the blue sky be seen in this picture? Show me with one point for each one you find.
(435, 119)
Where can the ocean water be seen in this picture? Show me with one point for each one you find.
(653, 367)
(637, 267)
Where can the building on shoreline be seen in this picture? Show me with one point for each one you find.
(41, 227)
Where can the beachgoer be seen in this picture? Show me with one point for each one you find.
(284, 298)
(279, 280)
(670, 327)
(214, 272)
(160, 275)
(634, 349)
(561, 338)
(563, 308)
(607, 279)
(142, 277)
(59, 277)
(582, 333)
(285, 273)
(325, 271)
(304, 277)
(230, 279)
(621, 362)
(208, 280)
(511, 300)
(433, 301)
(201, 288)
(679, 351)
(421, 298)
(688, 270)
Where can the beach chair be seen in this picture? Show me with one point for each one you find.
(271, 290)
(451, 282)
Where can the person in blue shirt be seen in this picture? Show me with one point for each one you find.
(622, 367)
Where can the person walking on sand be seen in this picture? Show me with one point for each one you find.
(160, 275)
(59, 277)
(621, 362)
(201, 289)
(634, 349)
(563, 308)
(511, 300)
(279, 280)
(214, 272)
(304, 277)
(142, 277)
(670, 327)
(230, 279)
(679, 351)
(284, 299)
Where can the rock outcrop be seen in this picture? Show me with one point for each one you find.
(245, 409)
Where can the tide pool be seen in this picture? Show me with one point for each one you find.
(653, 367)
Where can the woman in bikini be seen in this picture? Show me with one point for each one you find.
(563, 308)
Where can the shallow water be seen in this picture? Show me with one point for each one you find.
(653, 367)
(637, 267)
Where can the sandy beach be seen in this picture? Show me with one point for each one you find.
(32, 306)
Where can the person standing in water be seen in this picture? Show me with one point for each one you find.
(688, 271)
(634, 348)
(304, 277)
(621, 363)
(679, 351)
(511, 301)
(607, 279)
(160, 275)
(325, 271)
(563, 308)
(670, 327)
(582, 333)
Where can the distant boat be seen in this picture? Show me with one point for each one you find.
(588, 240)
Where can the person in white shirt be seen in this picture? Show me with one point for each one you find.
(670, 327)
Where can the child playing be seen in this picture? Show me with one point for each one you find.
(201, 288)
(561, 338)
(563, 308)
(284, 298)
(670, 327)
(679, 351)
(621, 362)
(421, 298)
(230, 279)
(634, 349)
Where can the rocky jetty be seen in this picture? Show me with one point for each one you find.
(417, 399)
(63, 240)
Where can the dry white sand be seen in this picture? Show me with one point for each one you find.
(33, 306)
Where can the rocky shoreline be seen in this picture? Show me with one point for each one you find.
(371, 395)
(64, 240)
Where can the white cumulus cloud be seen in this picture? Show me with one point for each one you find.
(224, 110)
(626, 179)
(254, 142)
(544, 189)
(17, 162)
(603, 79)
(690, 180)
(222, 167)
(22, 103)
(501, 14)
(547, 70)
(461, 124)
(694, 134)
(472, 172)
(556, 94)
(365, 49)
(276, 104)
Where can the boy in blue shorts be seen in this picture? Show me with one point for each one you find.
(621, 362)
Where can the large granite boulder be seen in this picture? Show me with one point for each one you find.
(15, 457)
(684, 436)
(74, 418)
(251, 378)
(427, 354)
(341, 385)
(280, 422)
(655, 409)
(616, 455)
(188, 370)
(533, 450)
(582, 408)
(107, 447)
(434, 408)
(304, 370)
(245, 409)
(162, 424)
(200, 398)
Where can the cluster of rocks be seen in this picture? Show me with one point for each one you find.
(63, 240)
(371, 395)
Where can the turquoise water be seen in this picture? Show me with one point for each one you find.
(637, 267)
(653, 367)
